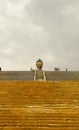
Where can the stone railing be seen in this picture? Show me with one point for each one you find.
(44, 74)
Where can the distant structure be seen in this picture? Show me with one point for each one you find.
(66, 69)
(39, 64)
(57, 69)
(0, 68)
(32, 70)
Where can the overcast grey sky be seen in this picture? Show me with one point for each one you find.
(33, 29)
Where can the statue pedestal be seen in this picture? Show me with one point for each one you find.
(39, 75)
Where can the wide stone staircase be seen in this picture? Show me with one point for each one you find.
(62, 76)
(39, 105)
(39, 75)
(17, 75)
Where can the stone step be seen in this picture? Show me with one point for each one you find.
(16, 75)
(39, 105)
(62, 75)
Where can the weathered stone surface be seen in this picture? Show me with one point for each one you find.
(29, 75)
(62, 75)
(16, 75)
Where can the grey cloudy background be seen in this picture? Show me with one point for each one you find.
(33, 29)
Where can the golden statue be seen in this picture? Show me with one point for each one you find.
(39, 64)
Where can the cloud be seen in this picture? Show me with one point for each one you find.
(61, 20)
(33, 29)
(20, 36)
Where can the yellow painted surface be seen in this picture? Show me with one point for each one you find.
(39, 105)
